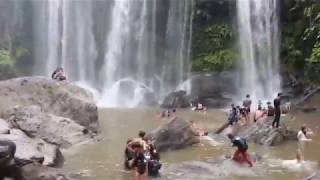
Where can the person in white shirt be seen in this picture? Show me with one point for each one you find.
(303, 136)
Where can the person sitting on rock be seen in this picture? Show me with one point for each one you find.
(240, 154)
(58, 74)
(259, 114)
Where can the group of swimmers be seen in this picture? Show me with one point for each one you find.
(142, 157)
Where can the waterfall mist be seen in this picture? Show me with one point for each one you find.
(123, 49)
(259, 47)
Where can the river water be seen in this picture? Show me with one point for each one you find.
(103, 160)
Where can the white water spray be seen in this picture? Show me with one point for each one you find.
(259, 45)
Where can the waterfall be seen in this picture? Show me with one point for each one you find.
(259, 47)
(65, 38)
(124, 50)
(138, 58)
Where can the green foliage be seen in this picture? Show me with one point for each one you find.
(313, 66)
(211, 48)
(218, 61)
(300, 45)
(5, 59)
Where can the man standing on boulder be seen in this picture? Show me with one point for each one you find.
(247, 107)
(277, 111)
(242, 147)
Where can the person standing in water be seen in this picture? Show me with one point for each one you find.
(277, 111)
(247, 107)
(242, 147)
(303, 136)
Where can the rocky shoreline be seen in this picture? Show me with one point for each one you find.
(42, 116)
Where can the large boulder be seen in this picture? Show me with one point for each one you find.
(264, 134)
(33, 149)
(177, 99)
(176, 134)
(53, 129)
(54, 97)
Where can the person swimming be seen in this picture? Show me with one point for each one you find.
(240, 154)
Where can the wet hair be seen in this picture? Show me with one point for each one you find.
(248, 95)
(279, 94)
(142, 134)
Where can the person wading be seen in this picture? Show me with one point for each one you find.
(242, 147)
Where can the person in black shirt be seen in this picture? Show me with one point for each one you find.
(277, 111)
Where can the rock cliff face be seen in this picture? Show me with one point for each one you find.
(57, 98)
(40, 116)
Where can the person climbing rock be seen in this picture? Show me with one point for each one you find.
(58, 74)
(277, 111)
(240, 154)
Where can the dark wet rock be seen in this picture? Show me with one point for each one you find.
(176, 99)
(60, 98)
(149, 99)
(39, 172)
(7, 152)
(265, 134)
(4, 127)
(33, 149)
(309, 102)
(218, 102)
(212, 85)
(176, 134)
(53, 129)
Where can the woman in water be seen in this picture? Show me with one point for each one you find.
(303, 136)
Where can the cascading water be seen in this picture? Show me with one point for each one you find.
(145, 51)
(141, 57)
(65, 39)
(258, 33)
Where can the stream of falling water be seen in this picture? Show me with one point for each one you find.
(145, 52)
(259, 45)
